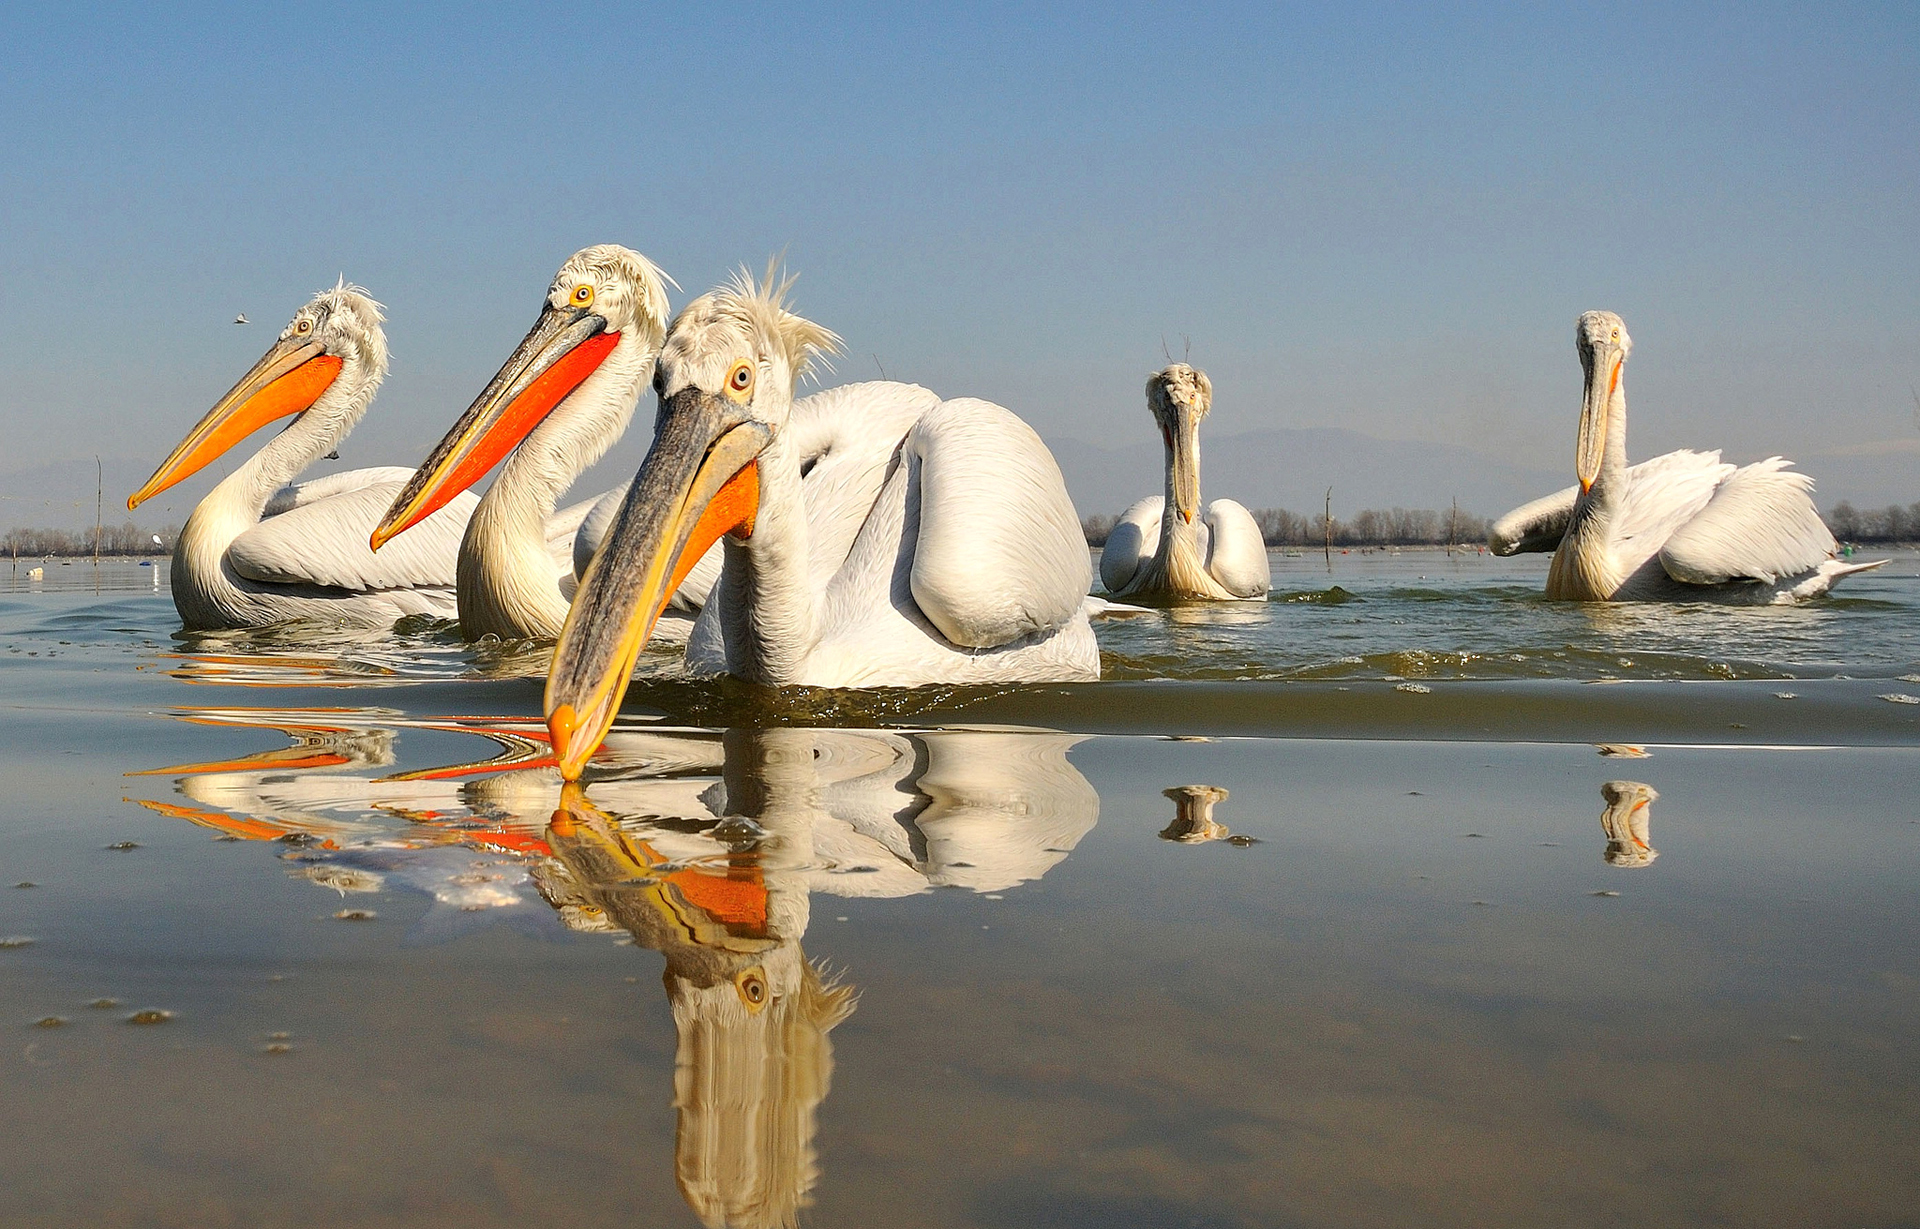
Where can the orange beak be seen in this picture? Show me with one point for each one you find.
(564, 347)
(288, 379)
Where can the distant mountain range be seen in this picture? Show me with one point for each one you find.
(1262, 469)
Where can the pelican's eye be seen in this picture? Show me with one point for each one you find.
(303, 327)
(740, 379)
(752, 985)
(583, 295)
(1616, 335)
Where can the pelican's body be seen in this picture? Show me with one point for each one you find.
(1219, 554)
(965, 564)
(1683, 527)
(257, 551)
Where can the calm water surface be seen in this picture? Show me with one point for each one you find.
(964, 957)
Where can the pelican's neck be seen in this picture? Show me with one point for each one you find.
(769, 620)
(1179, 538)
(510, 584)
(202, 590)
(1584, 568)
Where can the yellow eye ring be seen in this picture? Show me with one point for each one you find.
(740, 379)
(305, 326)
(583, 295)
(753, 989)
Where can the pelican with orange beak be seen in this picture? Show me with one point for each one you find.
(560, 401)
(257, 551)
(1683, 527)
(961, 562)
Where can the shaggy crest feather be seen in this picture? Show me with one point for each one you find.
(757, 308)
(611, 264)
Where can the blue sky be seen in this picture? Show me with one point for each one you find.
(1380, 218)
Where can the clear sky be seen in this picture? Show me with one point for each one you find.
(1383, 218)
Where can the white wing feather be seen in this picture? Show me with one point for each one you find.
(1536, 526)
(320, 537)
(1759, 525)
(1237, 553)
(993, 510)
(1135, 536)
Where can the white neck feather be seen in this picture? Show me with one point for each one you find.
(769, 619)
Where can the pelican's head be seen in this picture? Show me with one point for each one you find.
(1602, 341)
(1626, 821)
(601, 325)
(725, 380)
(1180, 397)
(334, 345)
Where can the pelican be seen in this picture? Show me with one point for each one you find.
(556, 406)
(967, 565)
(258, 551)
(1224, 557)
(1684, 527)
(1626, 822)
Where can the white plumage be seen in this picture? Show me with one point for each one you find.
(1217, 554)
(256, 551)
(1685, 526)
(965, 564)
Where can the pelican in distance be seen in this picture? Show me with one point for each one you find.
(1684, 527)
(257, 550)
(1221, 555)
(961, 562)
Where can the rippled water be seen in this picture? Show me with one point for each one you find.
(1306, 917)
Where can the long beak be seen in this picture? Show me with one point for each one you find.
(288, 379)
(1183, 456)
(1603, 380)
(701, 479)
(564, 347)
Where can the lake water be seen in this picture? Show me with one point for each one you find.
(1306, 916)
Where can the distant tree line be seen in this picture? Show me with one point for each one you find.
(1889, 524)
(1369, 527)
(1425, 527)
(125, 538)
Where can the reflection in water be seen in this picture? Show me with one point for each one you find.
(1193, 820)
(1625, 821)
(702, 846)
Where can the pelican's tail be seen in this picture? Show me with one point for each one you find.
(1829, 574)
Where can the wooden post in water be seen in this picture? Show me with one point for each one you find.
(1326, 519)
(1453, 525)
(99, 484)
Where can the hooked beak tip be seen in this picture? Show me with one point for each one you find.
(1186, 516)
(562, 724)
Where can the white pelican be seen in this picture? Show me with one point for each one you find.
(1684, 527)
(967, 566)
(257, 551)
(1224, 556)
(553, 409)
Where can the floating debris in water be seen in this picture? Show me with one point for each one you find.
(1475, 835)
(1485, 904)
(1604, 892)
(995, 896)
(26, 883)
(1188, 738)
(50, 1022)
(298, 838)
(277, 1047)
(356, 915)
(1795, 1037)
(1623, 750)
(1193, 821)
(838, 919)
(123, 846)
(150, 1015)
(11, 941)
(342, 879)
(1241, 840)
(104, 1004)
(1900, 697)
(1549, 844)
(1417, 689)
(1785, 695)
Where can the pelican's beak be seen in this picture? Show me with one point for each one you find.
(701, 479)
(565, 346)
(1183, 448)
(288, 379)
(1603, 380)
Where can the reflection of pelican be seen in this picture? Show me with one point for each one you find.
(1683, 527)
(257, 551)
(967, 566)
(1193, 820)
(720, 886)
(554, 409)
(1626, 821)
(1222, 556)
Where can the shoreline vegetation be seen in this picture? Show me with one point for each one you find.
(1458, 527)
(1279, 526)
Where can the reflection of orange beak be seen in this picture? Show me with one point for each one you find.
(562, 350)
(288, 379)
